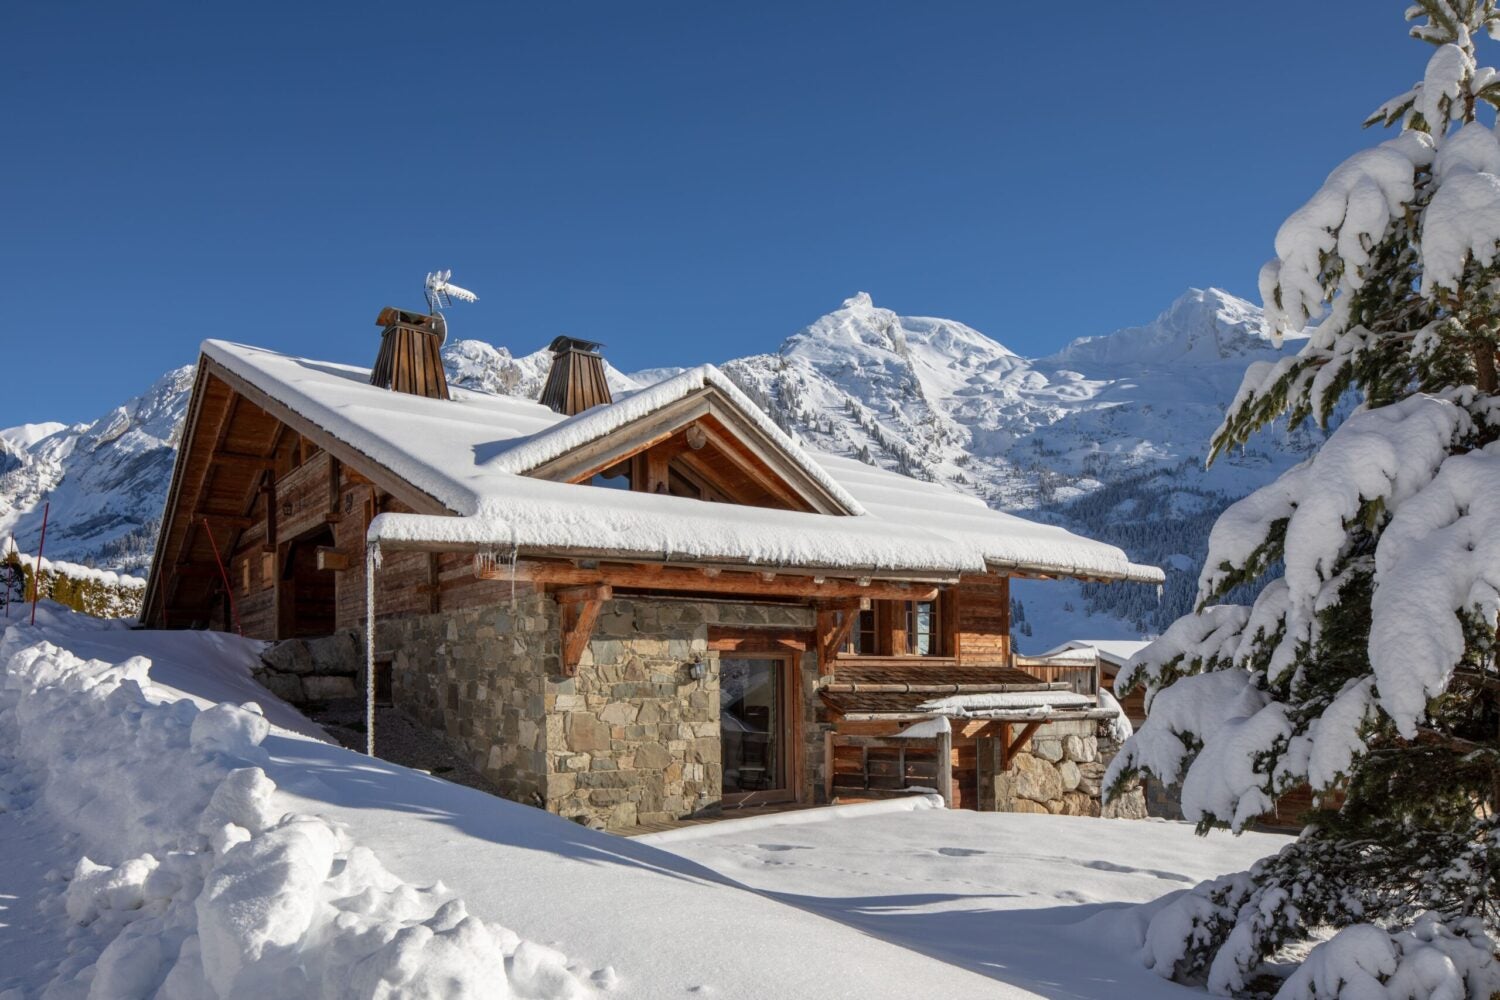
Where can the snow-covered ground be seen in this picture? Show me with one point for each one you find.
(1032, 902)
(360, 889)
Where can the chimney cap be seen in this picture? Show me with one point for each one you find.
(566, 343)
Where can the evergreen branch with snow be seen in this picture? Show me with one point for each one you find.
(1366, 668)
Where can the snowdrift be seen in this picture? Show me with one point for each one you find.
(196, 886)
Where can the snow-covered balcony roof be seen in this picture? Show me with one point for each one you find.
(470, 455)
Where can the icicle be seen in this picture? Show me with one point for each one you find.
(372, 563)
(1160, 590)
(515, 552)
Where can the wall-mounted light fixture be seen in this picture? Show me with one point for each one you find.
(697, 670)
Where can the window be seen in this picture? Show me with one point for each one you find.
(616, 477)
(922, 636)
(899, 628)
(862, 638)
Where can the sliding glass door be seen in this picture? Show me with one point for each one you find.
(754, 725)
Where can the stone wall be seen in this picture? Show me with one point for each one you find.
(1059, 771)
(632, 738)
(476, 677)
(302, 671)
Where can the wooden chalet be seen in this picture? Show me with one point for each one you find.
(624, 611)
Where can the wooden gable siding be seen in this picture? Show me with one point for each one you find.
(982, 625)
(744, 449)
(310, 500)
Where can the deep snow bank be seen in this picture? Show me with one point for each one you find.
(195, 885)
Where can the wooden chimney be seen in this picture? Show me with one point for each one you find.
(410, 358)
(576, 380)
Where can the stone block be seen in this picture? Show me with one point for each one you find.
(1048, 748)
(287, 687)
(1071, 776)
(652, 756)
(1076, 804)
(1081, 748)
(328, 688)
(290, 656)
(1035, 778)
(619, 713)
(1126, 805)
(1024, 806)
(586, 733)
(575, 762)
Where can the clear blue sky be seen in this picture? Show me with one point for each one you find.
(684, 181)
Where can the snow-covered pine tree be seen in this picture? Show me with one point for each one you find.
(1366, 667)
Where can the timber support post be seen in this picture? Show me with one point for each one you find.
(945, 764)
(580, 608)
(835, 623)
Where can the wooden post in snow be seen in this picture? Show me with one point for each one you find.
(36, 576)
(945, 763)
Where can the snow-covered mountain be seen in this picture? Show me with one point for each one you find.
(1106, 436)
(940, 400)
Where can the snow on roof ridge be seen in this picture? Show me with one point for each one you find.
(457, 452)
(592, 424)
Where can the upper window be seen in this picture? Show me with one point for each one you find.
(862, 640)
(921, 628)
(899, 628)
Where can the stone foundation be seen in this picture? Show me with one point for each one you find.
(1059, 771)
(633, 738)
(303, 671)
(476, 678)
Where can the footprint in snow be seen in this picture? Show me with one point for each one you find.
(783, 847)
(1110, 866)
(959, 852)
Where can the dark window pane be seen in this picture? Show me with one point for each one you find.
(750, 724)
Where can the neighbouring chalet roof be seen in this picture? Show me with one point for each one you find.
(1113, 653)
(479, 455)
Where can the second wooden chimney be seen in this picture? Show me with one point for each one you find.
(576, 380)
(410, 357)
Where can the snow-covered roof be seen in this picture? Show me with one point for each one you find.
(469, 454)
(1013, 705)
(1115, 652)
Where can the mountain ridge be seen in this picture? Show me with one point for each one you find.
(1051, 437)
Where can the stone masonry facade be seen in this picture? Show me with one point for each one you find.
(1060, 771)
(632, 738)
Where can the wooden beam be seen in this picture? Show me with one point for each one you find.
(641, 577)
(580, 610)
(331, 558)
(578, 595)
(335, 487)
(271, 514)
(261, 462)
(1009, 747)
(758, 641)
(833, 631)
(241, 521)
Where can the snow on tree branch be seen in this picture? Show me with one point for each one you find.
(1439, 556)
